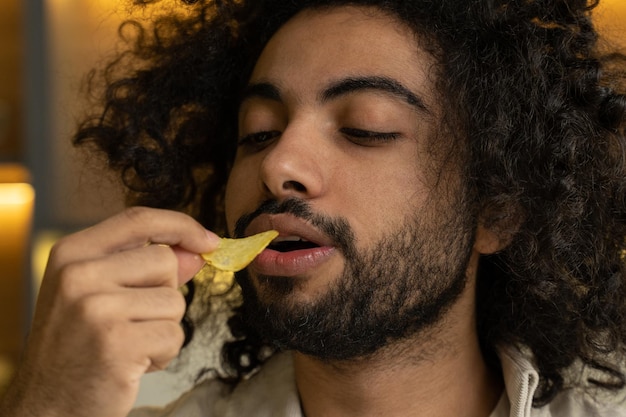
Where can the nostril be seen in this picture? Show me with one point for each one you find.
(294, 186)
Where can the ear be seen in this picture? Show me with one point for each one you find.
(497, 228)
(488, 241)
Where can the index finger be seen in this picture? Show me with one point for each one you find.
(136, 227)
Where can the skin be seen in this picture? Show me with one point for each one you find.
(108, 311)
(109, 308)
(307, 153)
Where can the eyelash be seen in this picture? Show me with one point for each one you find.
(259, 139)
(361, 135)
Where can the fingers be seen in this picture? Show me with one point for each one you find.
(140, 225)
(189, 264)
(117, 324)
(134, 228)
(115, 340)
(123, 244)
(162, 340)
(109, 310)
(158, 332)
(149, 266)
(137, 304)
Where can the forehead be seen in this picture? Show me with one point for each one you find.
(319, 46)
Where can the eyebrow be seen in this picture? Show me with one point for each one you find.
(344, 87)
(376, 83)
(261, 90)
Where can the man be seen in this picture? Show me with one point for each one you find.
(448, 182)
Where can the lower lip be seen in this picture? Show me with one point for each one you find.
(289, 264)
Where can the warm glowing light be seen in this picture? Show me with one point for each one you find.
(17, 199)
(16, 212)
(18, 194)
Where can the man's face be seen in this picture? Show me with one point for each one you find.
(336, 152)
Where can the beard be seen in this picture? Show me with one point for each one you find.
(398, 289)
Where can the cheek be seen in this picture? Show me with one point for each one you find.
(379, 202)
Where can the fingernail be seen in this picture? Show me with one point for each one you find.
(213, 238)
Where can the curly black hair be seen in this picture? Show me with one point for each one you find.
(541, 108)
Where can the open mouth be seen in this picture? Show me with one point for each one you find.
(291, 243)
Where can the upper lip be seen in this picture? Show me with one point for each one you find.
(288, 226)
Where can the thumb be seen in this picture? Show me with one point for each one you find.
(189, 264)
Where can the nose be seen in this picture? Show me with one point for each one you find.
(294, 165)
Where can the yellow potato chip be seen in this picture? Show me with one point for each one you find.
(235, 254)
(220, 281)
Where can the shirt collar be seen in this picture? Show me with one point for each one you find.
(520, 378)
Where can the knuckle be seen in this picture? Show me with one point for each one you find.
(60, 251)
(136, 211)
(168, 333)
(173, 332)
(137, 214)
(92, 308)
(72, 276)
(180, 305)
(169, 302)
(125, 382)
(175, 303)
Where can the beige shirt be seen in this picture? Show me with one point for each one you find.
(272, 393)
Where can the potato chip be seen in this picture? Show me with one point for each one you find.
(220, 282)
(235, 254)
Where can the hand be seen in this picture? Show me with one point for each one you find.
(108, 311)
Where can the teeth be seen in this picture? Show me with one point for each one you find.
(291, 243)
(289, 239)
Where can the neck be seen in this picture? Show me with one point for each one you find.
(443, 374)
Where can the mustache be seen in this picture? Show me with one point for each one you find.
(337, 228)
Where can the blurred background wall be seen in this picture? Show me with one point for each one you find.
(46, 49)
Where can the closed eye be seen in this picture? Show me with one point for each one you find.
(368, 137)
(258, 139)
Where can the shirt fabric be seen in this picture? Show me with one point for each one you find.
(272, 393)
